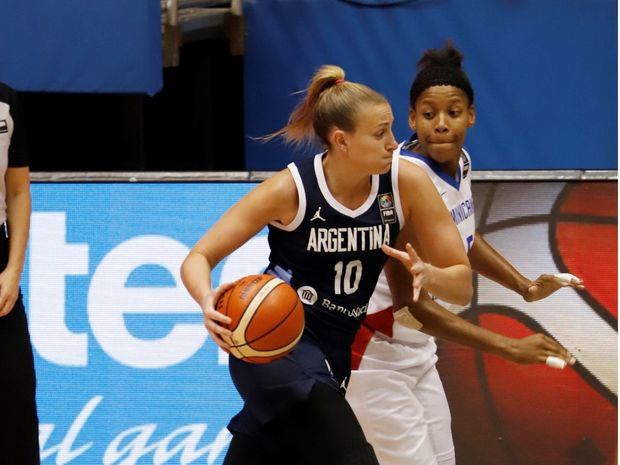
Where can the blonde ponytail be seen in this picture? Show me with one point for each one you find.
(330, 102)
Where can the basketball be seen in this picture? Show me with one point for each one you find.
(267, 318)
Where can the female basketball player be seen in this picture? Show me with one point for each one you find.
(294, 410)
(397, 394)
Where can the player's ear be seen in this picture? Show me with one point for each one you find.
(471, 117)
(338, 140)
(412, 118)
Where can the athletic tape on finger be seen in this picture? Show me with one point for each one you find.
(567, 278)
(555, 362)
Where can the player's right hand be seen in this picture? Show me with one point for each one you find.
(536, 349)
(216, 322)
(421, 271)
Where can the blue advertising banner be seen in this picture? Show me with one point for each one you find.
(81, 46)
(128, 376)
(125, 371)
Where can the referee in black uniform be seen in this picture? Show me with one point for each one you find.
(19, 424)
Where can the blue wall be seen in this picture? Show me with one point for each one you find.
(544, 72)
(81, 45)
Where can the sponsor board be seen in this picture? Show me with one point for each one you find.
(125, 369)
(127, 374)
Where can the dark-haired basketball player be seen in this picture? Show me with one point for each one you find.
(397, 394)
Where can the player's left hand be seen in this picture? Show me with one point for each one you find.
(422, 272)
(9, 290)
(547, 284)
(538, 348)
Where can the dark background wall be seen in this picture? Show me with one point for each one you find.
(195, 122)
(545, 75)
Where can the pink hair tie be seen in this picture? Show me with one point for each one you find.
(339, 81)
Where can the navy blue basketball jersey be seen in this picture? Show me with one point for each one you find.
(331, 254)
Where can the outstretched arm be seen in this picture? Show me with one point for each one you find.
(490, 263)
(428, 316)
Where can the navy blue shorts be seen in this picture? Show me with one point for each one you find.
(269, 389)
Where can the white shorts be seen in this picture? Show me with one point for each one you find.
(403, 410)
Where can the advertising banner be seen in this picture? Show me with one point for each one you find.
(127, 374)
(503, 413)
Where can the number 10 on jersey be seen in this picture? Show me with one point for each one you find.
(347, 277)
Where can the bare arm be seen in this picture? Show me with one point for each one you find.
(273, 200)
(490, 263)
(435, 320)
(442, 267)
(17, 182)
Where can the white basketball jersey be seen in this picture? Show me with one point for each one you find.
(456, 194)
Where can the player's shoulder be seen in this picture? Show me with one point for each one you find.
(413, 166)
(277, 195)
(411, 169)
(412, 177)
(282, 183)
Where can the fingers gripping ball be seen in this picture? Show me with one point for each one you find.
(267, 318)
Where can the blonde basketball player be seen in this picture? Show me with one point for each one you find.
(328, 218)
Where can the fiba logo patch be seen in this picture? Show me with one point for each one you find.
(385, 200)
(4, 127)
(307, 295)
(386, 205)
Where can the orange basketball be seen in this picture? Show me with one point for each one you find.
(267, 318)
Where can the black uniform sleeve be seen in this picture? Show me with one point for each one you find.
(18, 150)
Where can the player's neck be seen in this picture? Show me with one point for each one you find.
(346, 185)
(450, 167)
